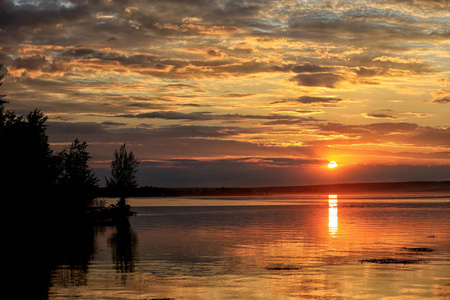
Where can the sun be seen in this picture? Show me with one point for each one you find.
(332, 164)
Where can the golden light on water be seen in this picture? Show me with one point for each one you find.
(332, 215)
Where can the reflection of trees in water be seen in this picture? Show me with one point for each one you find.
(72, 250)
(123, 243)
(66, 254)
(70, 275)
(58, 253)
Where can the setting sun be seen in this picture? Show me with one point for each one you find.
(332, 164)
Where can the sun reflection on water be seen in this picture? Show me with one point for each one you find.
(332, 215)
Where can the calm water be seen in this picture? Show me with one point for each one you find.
(263, 248)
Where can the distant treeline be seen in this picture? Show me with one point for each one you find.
(442, 187)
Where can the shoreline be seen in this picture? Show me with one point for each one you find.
(376, 188)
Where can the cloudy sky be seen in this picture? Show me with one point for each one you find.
(239, 93)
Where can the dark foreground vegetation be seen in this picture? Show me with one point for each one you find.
(44, 186)
(52, 196)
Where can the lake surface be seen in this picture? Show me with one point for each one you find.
(318, 247)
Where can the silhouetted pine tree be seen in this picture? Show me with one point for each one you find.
(124, 167)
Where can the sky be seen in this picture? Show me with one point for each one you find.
(211, 93)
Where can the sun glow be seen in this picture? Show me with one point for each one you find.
(332, 164)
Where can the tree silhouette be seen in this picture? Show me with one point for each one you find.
(52, 184)
(124, 167)
(25, 153)
(2, 76)
(76, 178)
(27, 165)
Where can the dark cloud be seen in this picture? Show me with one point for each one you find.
(442, 100)
(372, 129)
(208, 116)
(388, 128)
(148, 105)
(35, 62)
(432, 137)
(309, 68)
(113, 123)
(44, 13)
(138, 60)
(370, 72)
(213, 53)
(75, 129)
(236, 95)
(435, 4)
(104, 132)
(173, 115)
(383, 25)
(310, 100)
(193, 131)
(314, 100)
(329, 80)
(379, 116)
(401, 133)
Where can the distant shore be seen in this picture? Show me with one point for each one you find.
(419, 187)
